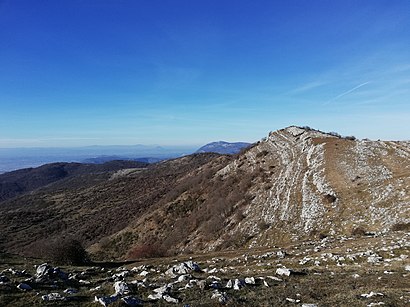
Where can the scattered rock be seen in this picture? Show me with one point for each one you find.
(24, 287)
(106, 300)
(70, 291)
(53, 297)
(250, 281)
(43, 270)
(155, 297)
(121, 288)
(163, 290)
(238, 284)
(220, 296)
(170, 299)
(283, 271)
(183, 268)
(371, 294)
(292, 300)
(144, 273)
(374, 259)
(4, 279)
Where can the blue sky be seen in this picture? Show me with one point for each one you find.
(76, 73)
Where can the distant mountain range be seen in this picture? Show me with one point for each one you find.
(104, 159)
(222, 147)
(18, 158)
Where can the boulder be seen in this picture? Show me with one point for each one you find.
(163, 290)
(170, 299)
(106, 300)
(238, 284)
(4, 279)
(283, 271)
(121, 288)
(155, 297)
(70, 291)
(371, 294)
(43, 270)
(250, 281)
(53, 297)
(220, 296)
(24, 287)
(183, 268)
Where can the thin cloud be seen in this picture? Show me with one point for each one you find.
(347, 92)
(308, 86)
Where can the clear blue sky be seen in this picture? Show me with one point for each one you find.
(188, 72)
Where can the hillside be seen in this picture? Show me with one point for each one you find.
(87, 207)
(26, 180)
(296, 184)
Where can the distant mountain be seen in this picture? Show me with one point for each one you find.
(222, 147)
(104, 159)
(17, 158)
(26, 180)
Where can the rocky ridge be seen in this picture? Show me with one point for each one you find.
(296, 184)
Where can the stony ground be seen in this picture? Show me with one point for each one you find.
(371, 270)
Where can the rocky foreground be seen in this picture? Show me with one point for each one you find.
(370, 270)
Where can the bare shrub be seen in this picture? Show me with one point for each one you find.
(146, 251)
(335, 134)
(263, 225)
(262, 153)
(359, 231)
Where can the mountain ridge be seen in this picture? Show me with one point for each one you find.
(296, 184)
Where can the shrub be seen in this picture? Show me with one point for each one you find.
(359, 231)
(401, 227)
(335, 134)
(64, 251)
